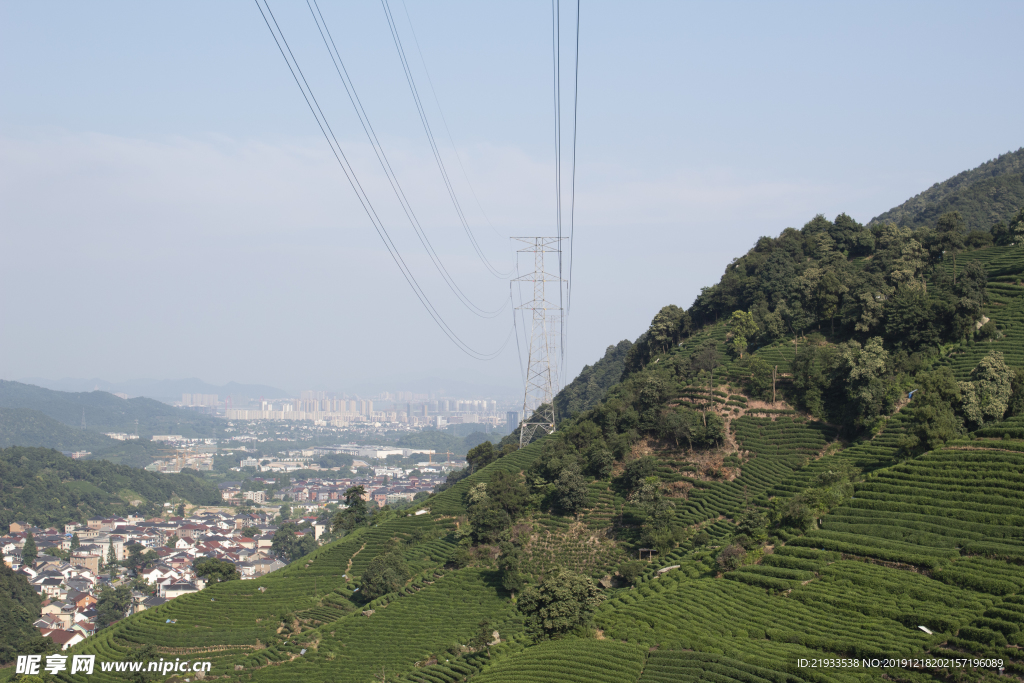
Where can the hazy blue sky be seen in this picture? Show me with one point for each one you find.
(168, 208)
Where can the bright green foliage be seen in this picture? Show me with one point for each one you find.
(509, 491)
(562, 603)
(933, 413)
(482, 455)
(829, 490)
(512, 578)
(1016, 228)
(987, 396)
(760, 382)
(440, 616)
(569, 661)
(139, 558)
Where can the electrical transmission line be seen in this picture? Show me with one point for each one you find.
(556, 53)
(433, 144)
(542, 361)
(371, 134)
(364, 200)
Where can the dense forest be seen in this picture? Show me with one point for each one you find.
(590, 386)
(985, 197)
(44, 488)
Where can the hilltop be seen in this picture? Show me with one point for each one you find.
(821, 458)
(984, 196)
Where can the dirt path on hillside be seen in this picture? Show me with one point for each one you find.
(348, 568)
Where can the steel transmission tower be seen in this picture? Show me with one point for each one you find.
(541, 367)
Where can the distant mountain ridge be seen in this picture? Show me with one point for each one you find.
(104, 412)
(985, 195)
(159, 389)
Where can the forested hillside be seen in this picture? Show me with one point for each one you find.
(103, 412)
(821, 458)
(44, 488)
(984, 196)
(19, 607)
(593, 382)
(21, 427)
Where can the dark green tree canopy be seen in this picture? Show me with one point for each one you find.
(564, 601)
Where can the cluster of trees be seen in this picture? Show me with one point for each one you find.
(807, 280)
(386, 573)
(943, 408)
(829, 490)
(288, 544)
(493, 507)
(564, 602)
(355, 513)
(112, 604)
(484, 454)
(216, 570)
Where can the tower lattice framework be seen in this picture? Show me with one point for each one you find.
(545, 320)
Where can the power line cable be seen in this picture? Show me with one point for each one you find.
(433, 144)
(364, 200)
(371, 134)
(572, 191)
(556, 51)
(437, 101)
(519, 351)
